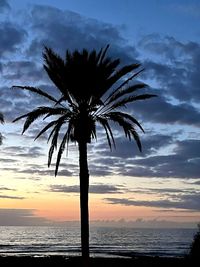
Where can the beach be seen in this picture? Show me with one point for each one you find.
(48, 261)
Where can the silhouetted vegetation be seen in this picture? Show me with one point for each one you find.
(60, 261)
(1, 121)
(195, 247)
(92, 89)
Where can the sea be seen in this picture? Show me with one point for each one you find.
(104, 241)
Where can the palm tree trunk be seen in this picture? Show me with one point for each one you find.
(84, 190)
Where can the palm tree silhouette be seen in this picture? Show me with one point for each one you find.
(93, 88)
(1, 121)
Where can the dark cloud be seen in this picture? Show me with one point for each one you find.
(186, 202)
(182, 163)
(6, 189)
(160, 110)
(167, 47)
(100, 170)
(4, 160)
(65, 29)
(12, 37)
(122, 160)
(43, 171)
(11, 197)
(15, 217)
(93, 189)
(127, 149)
(19, 151)
(22, 71)
(4, 5)
(173, 192)
(188, 148)
(197, 182)
(180, 159)
(179, 75)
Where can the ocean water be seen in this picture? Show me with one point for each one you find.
(104, 241)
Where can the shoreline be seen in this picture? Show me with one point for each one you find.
(71, 261)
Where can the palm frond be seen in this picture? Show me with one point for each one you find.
(54, 140)
(32, 116)
(48, 126)
(109, 134)
(103, 53)
(59, 121)
(137, 139)
(56, 69)
(53, 60)
(1, 118)
(93, 131)
(122, 115)
(130, 78)
(50, 154)
(121, 92)
(60, 152)
(1, 137)
(36, 91)
(130, 99)
(121, 73)
(128, 129)
(93, 89)
(58, 111)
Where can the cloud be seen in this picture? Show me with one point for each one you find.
(100, 170)
(43, 171)
(23, 151)
(185, 202)
(183, 162)
(188, 148)
(21, 71)
(188, 9)
(3, 196)
(4, 5)
(93, 189)
(173, 192)
(17, 217)
(65, 29)
(12, 37)
(197, 182)
(163, 156)
(2, 188)
(177, 114)
(10, 197)
(7, 160)
(172, 66)
(179, 75)
(127, 149)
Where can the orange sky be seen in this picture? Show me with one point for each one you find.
(59, 206)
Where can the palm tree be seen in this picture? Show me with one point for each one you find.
(93, 89)
(1, 121)
(195, 246)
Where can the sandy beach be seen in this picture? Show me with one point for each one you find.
(94, 262)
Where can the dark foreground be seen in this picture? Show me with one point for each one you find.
(95, 262)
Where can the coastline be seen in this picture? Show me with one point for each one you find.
(61, 261)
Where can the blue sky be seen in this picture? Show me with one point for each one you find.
(162, 182)
(177, 18)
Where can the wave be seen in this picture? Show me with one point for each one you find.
(104, 241)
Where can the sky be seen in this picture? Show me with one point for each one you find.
(161, 185)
